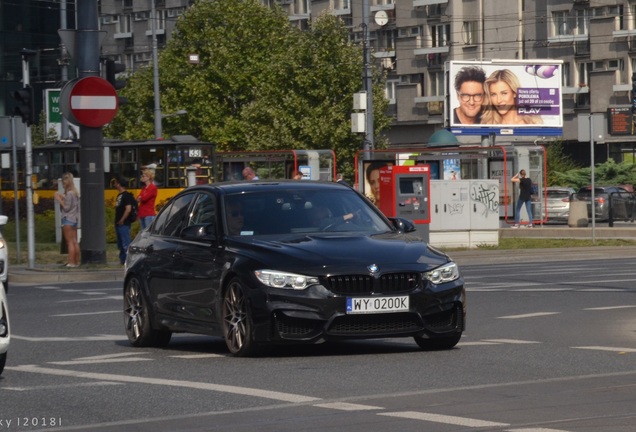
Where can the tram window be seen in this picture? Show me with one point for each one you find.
(153, 157)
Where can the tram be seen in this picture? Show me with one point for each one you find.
(170, 159)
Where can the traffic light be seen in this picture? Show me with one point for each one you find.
(112, 69)
(24, 106)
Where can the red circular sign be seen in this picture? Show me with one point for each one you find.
(90, 101)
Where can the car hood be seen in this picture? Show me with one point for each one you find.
(337, 252)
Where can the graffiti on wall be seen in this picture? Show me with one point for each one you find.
(486, 194)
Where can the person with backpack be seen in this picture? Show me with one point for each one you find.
(125, 214)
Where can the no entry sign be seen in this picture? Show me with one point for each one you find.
(90, 101)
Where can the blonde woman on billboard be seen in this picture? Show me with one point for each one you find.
(501, 100)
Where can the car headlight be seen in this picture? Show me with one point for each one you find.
(446, 273)
(278, 279)
(2, 243)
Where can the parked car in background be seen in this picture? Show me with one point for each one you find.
(558, 200)
(4, 256)
(287, 262)
(5, 335)
(622, 202)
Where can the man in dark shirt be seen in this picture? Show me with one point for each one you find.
(525, 197)
(123, 207)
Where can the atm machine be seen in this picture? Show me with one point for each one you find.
(404, 192)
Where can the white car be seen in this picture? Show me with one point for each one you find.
(4, 257)
(5, 335)
(4, 308)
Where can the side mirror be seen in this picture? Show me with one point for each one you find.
(403, 225)
(199, 233)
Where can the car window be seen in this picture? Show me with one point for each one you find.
(558, 194)
(178, 214)
(203, 211)
(300, 211)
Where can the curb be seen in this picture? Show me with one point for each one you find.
(43, 275)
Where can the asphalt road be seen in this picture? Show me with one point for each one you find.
(550, 346)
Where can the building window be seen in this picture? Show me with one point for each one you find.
(566, 77)
(124, 24)
(582, 21)
(385, 40)
(469, 32)
(301, 7)
(436, 86)
(560, 23)
(390, 90)
(440, 35)
(160, 20)
(584, 70)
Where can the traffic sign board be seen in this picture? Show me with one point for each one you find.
(90, 101)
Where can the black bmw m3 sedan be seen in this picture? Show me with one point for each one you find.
(262, 263)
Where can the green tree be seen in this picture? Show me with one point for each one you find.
(558, 164)
(260, 83)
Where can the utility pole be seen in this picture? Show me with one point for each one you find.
(27, 109)
(155, 73)
(64, 60)
(92, 208)
(367, 79)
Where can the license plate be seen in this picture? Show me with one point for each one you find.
(368, 305)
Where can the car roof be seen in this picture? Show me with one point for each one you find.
(267, 185)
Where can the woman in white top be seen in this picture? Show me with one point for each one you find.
(69, 203)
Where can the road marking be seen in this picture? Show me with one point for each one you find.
(478, 343)
(458, 421)
(602, 290)
(530, 315)
(79, 362)
(600, 348)
(96, 299)
(47, 387)
(535, 430)
(611, 307)
(343, 406)
(197, 356)
(88, 313)
(545, 289)
(70, 339)
(511, 341)
(246, 391)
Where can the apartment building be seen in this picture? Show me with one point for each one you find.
(413, 39)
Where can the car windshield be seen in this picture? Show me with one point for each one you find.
(300, 211)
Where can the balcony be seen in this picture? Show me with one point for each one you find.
(431, 50)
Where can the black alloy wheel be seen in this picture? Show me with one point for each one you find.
(236, 321)
(137, 318)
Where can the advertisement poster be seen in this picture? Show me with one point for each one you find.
(507, 97)
(452, 169)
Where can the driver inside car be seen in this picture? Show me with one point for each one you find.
(320, 217)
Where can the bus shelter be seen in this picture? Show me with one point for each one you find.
(498, 162)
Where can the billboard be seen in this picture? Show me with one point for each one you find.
(505, 97)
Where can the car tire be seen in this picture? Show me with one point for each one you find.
(3, 361)
(137, 318)
(438, 343)
(237, 327)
